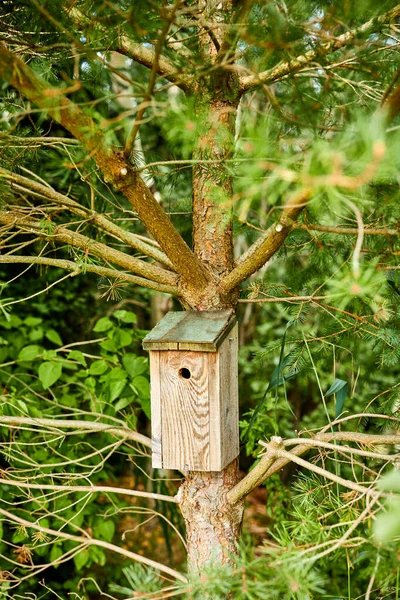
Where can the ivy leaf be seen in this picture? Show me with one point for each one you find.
(49, 373)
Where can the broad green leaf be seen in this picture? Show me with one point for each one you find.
(97, 555)
(115, 389)
(124, 402)
(390, 482)
(135, 365)
(55, 553)
(125, 316)
(106, 529)
(141, 386)
(32, 321)
(387, 523)
(78, 356)
(103, 324)
(122, 338)
(98, 367)
(145, 404)
(117, 373)
(49, 373)
(81, 559)
(52, 335)
(30, 352)
(36, 334)
(49, 354)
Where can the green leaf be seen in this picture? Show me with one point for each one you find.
(125, 316)
(52, 335)
(49, 354)
(103, 324)
(30, 352)
(387, 523)
(122, 338)
(116, 388)
(106, 529)
(123, 403)
(55, 554)
(98, 555)
(338, 387)
(32, 321)
(145, 404)
(81, 559)
(141, 386)
(135, 365)
(78, 356)
(390, 482)
(98, 367)
(49, 373)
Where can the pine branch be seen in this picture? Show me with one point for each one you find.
(88, 541)
(89, 246)
(48, 193)
(152, 80)
(268, 244)
(89, 426)
(148, 57)
(289, 67)
(114, 165)
(268, 464)
(69, 265)
(93, 489)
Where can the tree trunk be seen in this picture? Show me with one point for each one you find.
(212, 525)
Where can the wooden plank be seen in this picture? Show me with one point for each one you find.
(185, 410)
(191, 330)
(156, 410)
(229, 398)
(215, 412)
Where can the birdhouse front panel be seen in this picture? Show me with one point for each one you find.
(194, 391)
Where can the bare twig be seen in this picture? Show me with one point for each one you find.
(88, 541)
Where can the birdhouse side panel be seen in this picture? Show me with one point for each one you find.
(229, 398)
(185, 413)
(156, 442)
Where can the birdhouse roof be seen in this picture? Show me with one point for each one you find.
(201, 331)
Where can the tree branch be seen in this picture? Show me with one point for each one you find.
(90, 246)
(90, 426)
(88, 541)
(268, 464)
(112, 162)
(101, 221)
(69, 265)
(138, 52)
(94, 489)
(268, 244)
(295, 65)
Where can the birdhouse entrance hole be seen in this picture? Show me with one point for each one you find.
(185, 373)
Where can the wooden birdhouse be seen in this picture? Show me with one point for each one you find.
(194, 390)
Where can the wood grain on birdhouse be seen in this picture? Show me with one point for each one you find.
(194, 390)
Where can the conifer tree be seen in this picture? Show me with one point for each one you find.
(223, 153)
